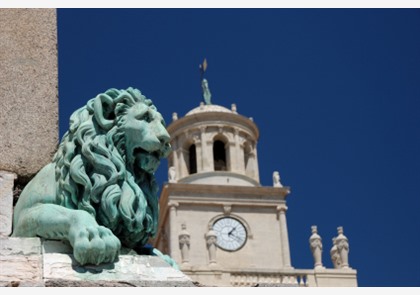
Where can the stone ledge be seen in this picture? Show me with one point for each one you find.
(30, 262)
(138, 283)
(20, 246)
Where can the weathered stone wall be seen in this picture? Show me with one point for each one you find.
(28, 90)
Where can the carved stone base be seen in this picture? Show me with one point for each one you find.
(32, 262)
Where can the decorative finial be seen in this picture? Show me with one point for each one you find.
(276, 179)
(204, 83)
(174, 116)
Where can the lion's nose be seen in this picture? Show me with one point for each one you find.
(157, 137)
(163, 136)
(160, 132)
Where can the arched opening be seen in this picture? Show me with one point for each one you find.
(192, 159)
(219, 156)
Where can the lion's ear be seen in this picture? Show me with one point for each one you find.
(103, 106)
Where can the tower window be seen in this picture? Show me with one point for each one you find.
(193, 159)
(219, 156)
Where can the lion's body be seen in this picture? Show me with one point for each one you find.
(100, 190)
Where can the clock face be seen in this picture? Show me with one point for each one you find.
(231, 233)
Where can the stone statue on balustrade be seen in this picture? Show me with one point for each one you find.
(315, 243)
(342, 247)
(211, 240)
(184, 244)
(99, 193)
(276, 179)
(171, 174)
(335, 256)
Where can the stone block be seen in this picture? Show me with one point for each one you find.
(21, 268)
(61, 269)
(28, 90)
(7, 180)
(20, 246)
(20, 261)
(336, 277)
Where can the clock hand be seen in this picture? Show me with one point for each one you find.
(237, 238)
(232, 230)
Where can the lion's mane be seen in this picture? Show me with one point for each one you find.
(92, 174)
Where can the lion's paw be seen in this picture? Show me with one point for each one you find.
(95, 245)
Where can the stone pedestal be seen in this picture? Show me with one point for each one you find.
(32, 262)
(20, 261)
(336, 277)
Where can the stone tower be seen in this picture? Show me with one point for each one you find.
(214, 197)
(221, 226)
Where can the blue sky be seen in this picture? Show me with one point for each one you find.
(334, 92)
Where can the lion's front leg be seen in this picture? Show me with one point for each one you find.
(92, 243)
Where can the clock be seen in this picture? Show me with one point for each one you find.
(231, 233)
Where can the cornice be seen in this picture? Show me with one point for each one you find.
(212, 118)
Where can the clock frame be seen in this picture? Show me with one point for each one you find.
(231, 233)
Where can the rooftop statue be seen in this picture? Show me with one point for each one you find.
(206, 91)
(99, 193)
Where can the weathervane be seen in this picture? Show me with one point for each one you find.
(204, 83)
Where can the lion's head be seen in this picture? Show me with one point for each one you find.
(106, 161)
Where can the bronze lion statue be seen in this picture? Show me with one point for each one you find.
(99, 193)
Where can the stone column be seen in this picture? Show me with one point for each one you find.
(28, 90)
(183, 168)
(198, 153)
(230, 151)
(255, 162)
(175, 163)
(252, 167)
(209, 154)
(239, 165)
(284, 236)
(172, 221)
(206, 155)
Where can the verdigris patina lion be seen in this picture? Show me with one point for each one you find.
(99, 193)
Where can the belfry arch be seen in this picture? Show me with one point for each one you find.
(219, 155)
(192, 159)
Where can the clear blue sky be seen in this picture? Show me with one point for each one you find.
(334, 92)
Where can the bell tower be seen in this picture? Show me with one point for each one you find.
(221, 226)
(216, 220)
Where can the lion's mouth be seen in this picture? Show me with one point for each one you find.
(147, 161)
(140, 151)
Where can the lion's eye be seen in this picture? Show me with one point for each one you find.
(143, 117)
(146, 117)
